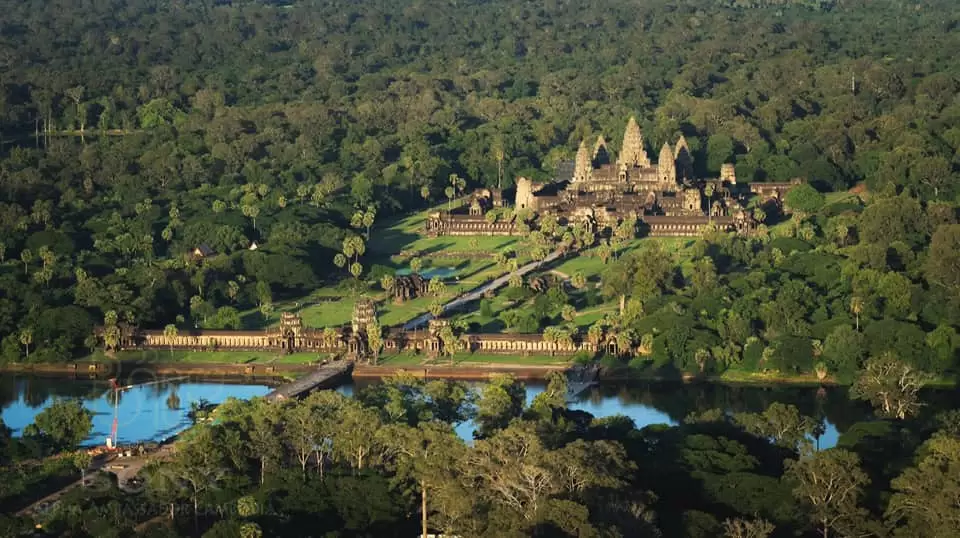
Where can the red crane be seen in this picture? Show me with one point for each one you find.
(116, 413)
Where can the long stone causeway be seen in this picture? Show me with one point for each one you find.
(479, 291)
(325, 376)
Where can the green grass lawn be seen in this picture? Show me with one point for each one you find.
(840, 196)
(210, 357)
(592, 314)
(466, 359)
(333, 307)
(532, 360)
(406, 235)
(479, 244)
(592, 266)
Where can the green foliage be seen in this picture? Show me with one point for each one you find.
(61, 426)
(804, 198)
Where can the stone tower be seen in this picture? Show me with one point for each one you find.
(364, 313)
(667, 169)
(728, 173)
(290, 324)
(525, 199)
(692, 202)
(684, 159)
(601, 155)
(583, 165)
(632, 152)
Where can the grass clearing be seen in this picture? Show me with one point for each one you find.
(209, 357)
(412, 359)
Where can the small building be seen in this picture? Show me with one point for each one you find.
(202, 251)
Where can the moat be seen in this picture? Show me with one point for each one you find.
(152, 413)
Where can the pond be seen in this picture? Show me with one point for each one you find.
(432, 272)
(144, 413)
(148, 413)
(670, 403)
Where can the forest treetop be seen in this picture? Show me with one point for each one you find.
(229, 123)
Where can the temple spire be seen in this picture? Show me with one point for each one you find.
(666, 168)
(600, 154)
(684, 159)
(632, 152)
(681, 146)
(583, 164)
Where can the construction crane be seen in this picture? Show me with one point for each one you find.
(112, 440)
(116, 388)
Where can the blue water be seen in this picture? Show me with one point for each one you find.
(143, 413)
(637, 405)
(432, 272)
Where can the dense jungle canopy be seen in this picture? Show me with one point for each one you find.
(136, 131)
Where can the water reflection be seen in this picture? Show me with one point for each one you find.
(144, 413)
(670, 403)
(157, 411)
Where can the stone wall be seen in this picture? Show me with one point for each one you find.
(219, 340)
(397, 341)
(467, 225)
(661, 226)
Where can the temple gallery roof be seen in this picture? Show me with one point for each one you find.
(564, 172)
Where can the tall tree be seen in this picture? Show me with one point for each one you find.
(829, 484)
(927, 495)
(892, 386)
(170, 333)
(64, 425)
(427, 454)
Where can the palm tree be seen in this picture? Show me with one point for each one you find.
(821, 370)
(111, 337)
(330, 337)
(170, 332)
(565, 337)
(550, 336)
(198, 409)
(856, 307)
(595, 334)
(369, 216)
(449, 191)
(26, 338)
(374, 339)
(499, 154)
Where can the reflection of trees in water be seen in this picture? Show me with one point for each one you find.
(173, 401)
(35, 392)
(677, 400)
(9, 393)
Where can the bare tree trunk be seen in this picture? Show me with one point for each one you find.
(423, 507)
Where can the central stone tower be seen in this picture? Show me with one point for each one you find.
(364, 313)
(632, 152)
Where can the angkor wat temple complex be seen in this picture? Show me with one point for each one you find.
(662, 194)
